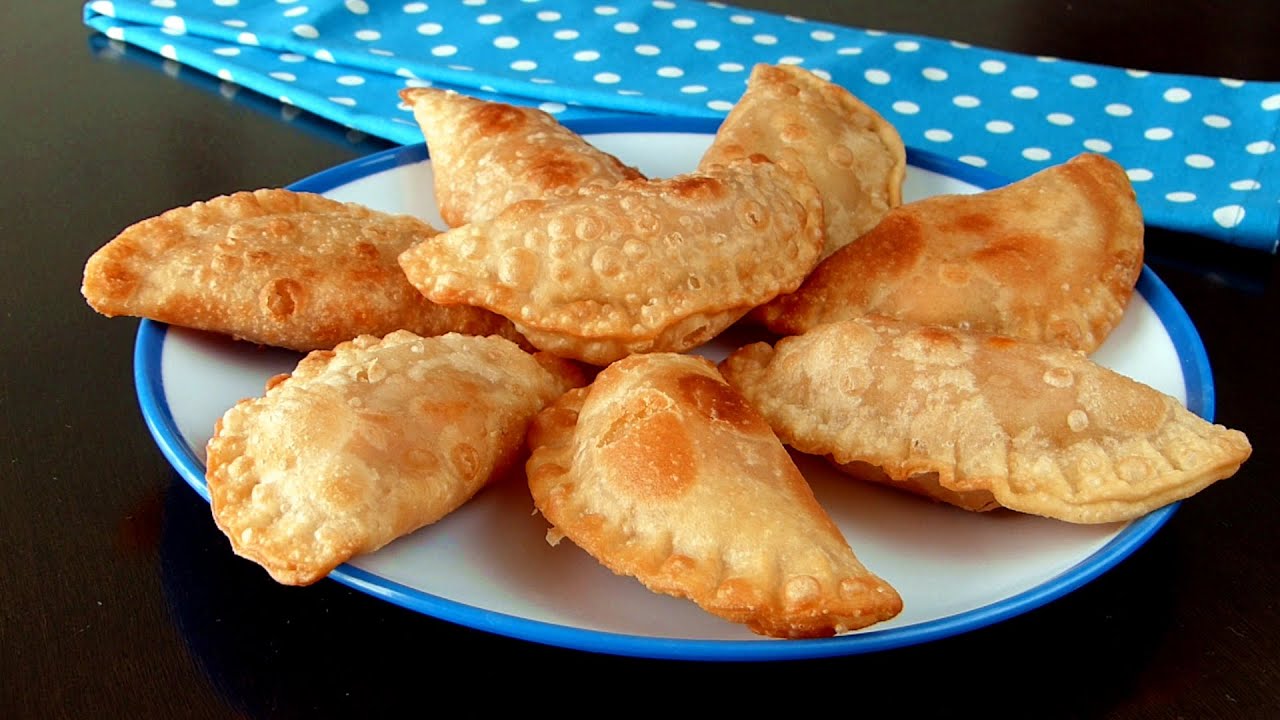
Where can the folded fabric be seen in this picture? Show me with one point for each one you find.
(1201, 152)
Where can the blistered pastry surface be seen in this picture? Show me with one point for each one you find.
(368, 442)
(663, 472)
(275, 267)
(1043, 429)
(640, 266)
(853, 155)
(1052, 258)
(488, 155)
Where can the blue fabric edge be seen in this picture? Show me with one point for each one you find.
(383, 127)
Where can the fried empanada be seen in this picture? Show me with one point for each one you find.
(853, 155)
(1052, 258)
(369, 442)
(662, 472)
(643, 266)
(274, 267)
(1033, 427)
(488, 155)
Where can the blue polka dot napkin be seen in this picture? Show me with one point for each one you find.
(1200, 151)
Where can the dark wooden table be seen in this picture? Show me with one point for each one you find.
(119, 598)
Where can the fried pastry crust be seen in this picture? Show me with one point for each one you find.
(853, 155)
(488, 155)
(275, 267)
(1052, 258)
(662, 472)
(369, 442)
(1038, 428)
(643, 266)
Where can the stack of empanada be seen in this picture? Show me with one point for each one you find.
(938, 347)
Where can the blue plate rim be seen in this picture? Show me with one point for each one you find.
(1197, 378)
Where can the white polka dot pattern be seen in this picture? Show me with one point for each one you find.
(1201, 152)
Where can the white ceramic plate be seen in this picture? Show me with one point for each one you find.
(487, 565)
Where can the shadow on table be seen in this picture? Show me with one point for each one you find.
(110, 50)
(327, 650)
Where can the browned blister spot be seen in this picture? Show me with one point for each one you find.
(969, 223)
(366, 251)
(895, 245)
(225, 263)
(752, 214)
(1018, 257)
(635, 410)
(1058, 377)
(784, 89)
(999, 342)
(698, 188)
(608, 262)
(1064, 332)
(772, 74)
(466, 460)
(793, 133)
(281, 297)
(718, 402)
(588, 227)
(801, 591)
(497, 118)
(647, 473)
(556, 169)
(279, 227)
(939, 337)
(1078, 420)
(517, 267)
(1125, 407)
(342, 490)
(1134, 470)
(118, 280)
(840, 155)
(436, 408)
(954, 274)
(738, 593)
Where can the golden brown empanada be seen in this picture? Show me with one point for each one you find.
(642, 266)
(1034, 427)
(275, 267)
(369, 442)
(1052, 258)
(662, 472)
(853, 155)
(488, 155)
